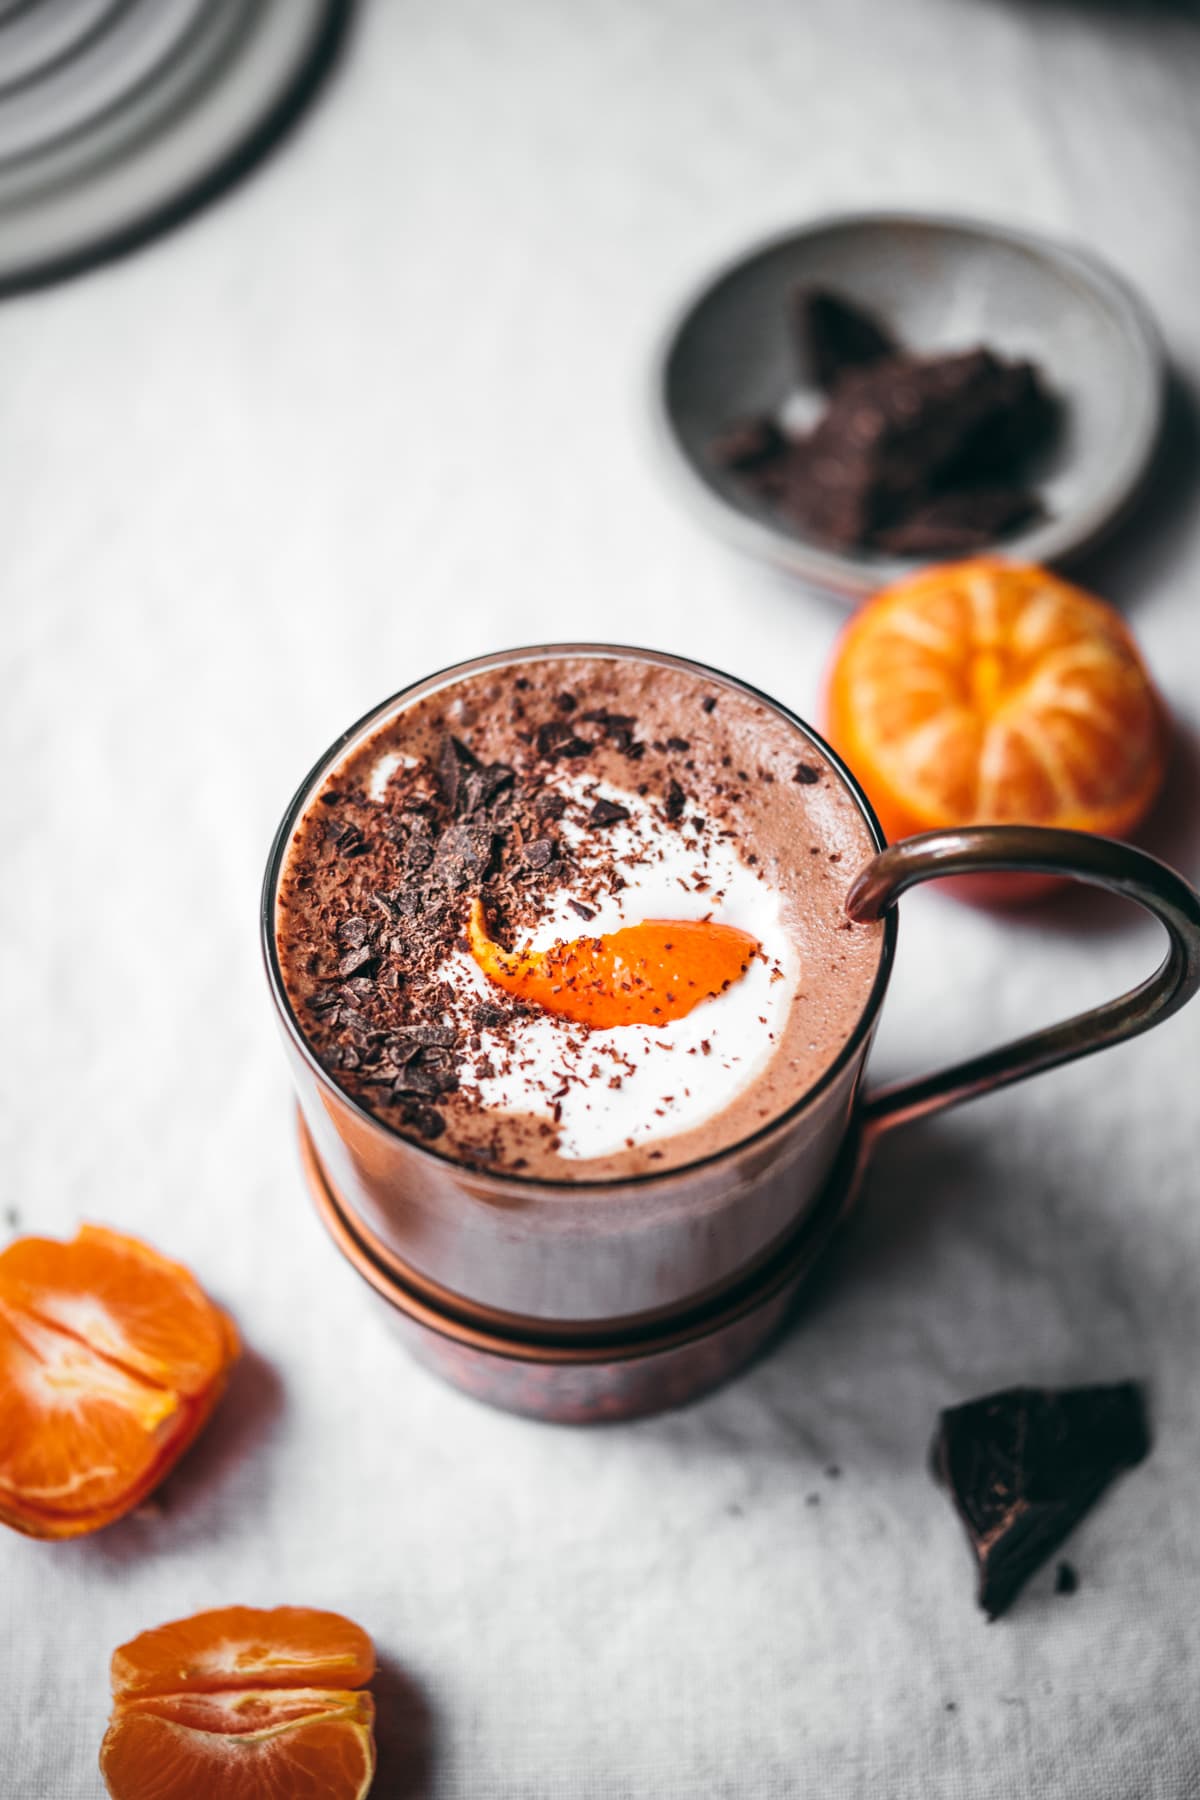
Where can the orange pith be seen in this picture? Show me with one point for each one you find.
(643, 974)
(241, 1702)
(985, 692)
(111, 1360)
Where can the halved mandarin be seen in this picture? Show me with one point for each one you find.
(643, 974)
(242, 1702)
(986, 692)
(111, 1359)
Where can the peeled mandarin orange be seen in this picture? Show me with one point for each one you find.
(986, 692)
(241, 1702)
(641, 975)
(112, 1359)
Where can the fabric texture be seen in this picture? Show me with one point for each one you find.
(386, 406)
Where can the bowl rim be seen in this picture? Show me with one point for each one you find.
(851, 577)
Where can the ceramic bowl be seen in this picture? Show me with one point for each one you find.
(940, 284)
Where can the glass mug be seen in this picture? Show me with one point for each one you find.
(527, 1260)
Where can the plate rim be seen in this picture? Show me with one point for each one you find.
(849, 578)
(128, 223)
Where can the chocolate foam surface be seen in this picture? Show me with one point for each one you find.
(489, 786)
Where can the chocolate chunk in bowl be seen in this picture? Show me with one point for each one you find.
(934, 286)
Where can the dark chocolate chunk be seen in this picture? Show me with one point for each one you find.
(748, 445)
(480, 787)
(349, 841)
(353, 932)
(555, 738)
(607, 812)
(675, 803)
(352, 1020)
(566, 703)
(584, 912)
(417, 1078)
(427, 1036)
(426, 1120)
(678, 744)
(551, 806)
(361, 962)
(961, 520)
(896, 433)
(463, 856)
(806, 774)
(455, 762)
(708, 703)
(487, 1016)
(834, 335)
(611, 721)
(540, 853)
(1023, 1466)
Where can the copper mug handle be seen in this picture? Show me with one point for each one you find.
(1100, 862)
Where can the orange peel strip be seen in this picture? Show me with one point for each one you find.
(643, 974)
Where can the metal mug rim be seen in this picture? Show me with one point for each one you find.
(544, 652)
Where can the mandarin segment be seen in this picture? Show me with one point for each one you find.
(235, 1711)
(243, 1647)
(992, 693)
(111, 1360)
(125, 1300)
(147, 1758)
(234, 1702)
(641, 975)
(76, 1432)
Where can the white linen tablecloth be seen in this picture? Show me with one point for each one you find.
(385, 406)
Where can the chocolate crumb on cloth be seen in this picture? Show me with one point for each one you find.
(915, 455)
(1023, 1467)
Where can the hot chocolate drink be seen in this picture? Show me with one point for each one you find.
(579, 917)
